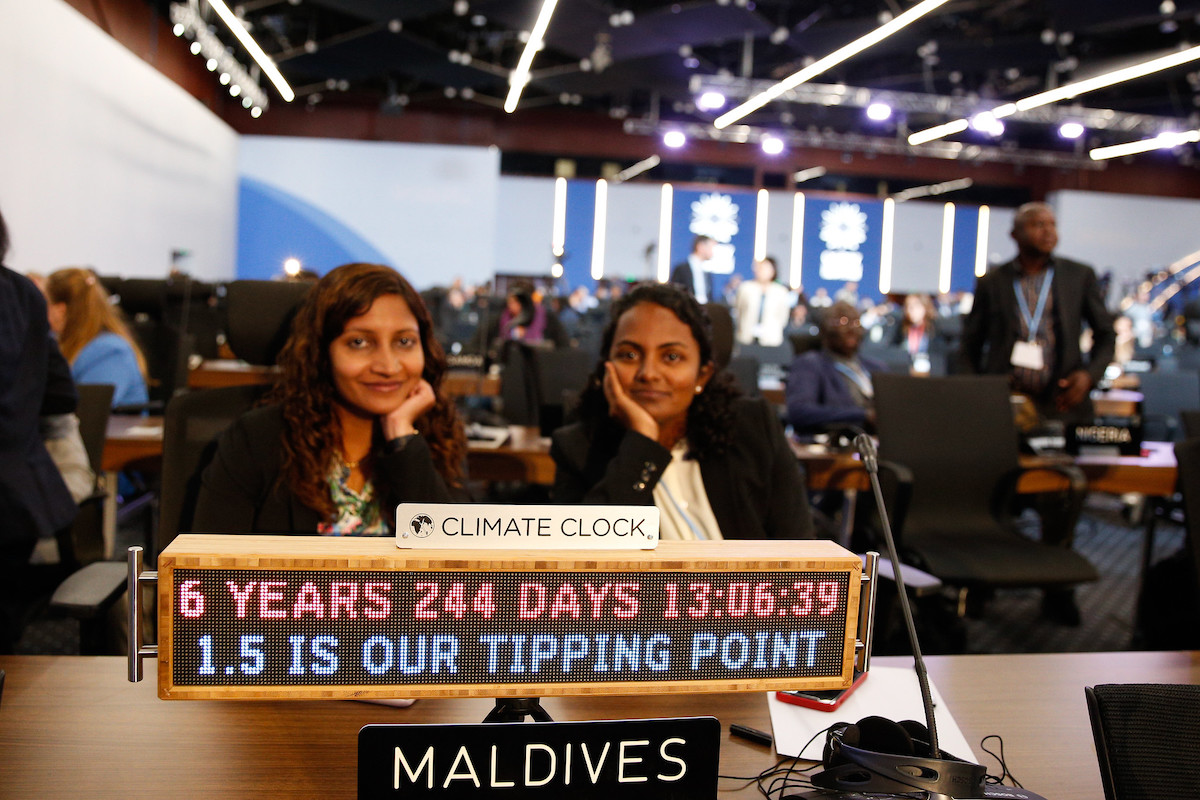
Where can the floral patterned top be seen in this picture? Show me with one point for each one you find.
(357, 512)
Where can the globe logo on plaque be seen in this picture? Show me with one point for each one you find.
(421, 526)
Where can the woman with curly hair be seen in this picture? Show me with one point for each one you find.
(356, 423)
(93, 335)
(661, 425)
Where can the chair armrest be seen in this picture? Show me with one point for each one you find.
(89, 592)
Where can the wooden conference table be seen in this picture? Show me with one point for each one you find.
(526, 457)
(73, 727)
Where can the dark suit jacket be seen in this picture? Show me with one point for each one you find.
(992, 327)
(240, 490)
(34, 380)
(681, 275)
(755, 489)
(817, 395)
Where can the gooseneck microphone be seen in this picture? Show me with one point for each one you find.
(866, 449)
(880, 756)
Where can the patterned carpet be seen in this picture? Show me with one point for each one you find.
(1011, 622)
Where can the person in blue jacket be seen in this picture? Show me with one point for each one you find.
(831, 387)
(94, 337)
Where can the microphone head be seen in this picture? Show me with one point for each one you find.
(865, 446)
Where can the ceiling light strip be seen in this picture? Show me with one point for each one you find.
(256, 52)
(795, 276)
(664, 233)
(1068, 91)
(947, 261)
(886, 246)
(1163, 141)
(760, 225)
(520, 76)
(599, 229)
(829, 61)
(981, 241)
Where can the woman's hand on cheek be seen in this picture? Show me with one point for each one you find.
(402, 421)
(624, 409)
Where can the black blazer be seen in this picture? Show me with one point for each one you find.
(240, 490)
(681, 275)
(756, 489)
(34, 380)
(992, 327)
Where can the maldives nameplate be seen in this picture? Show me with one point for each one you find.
(518, 527)
(650, 759)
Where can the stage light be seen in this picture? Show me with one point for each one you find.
(987, 123)
(710, 101)
(1070, 130)
(772, 145)
(879, 112)
(674, 139)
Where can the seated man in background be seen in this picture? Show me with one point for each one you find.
(831, 387)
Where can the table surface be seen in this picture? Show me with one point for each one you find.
(73, 726)
(526, 457)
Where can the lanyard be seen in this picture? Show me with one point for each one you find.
(863, 382)
(1035, 321)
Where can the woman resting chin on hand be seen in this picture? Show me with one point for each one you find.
(659, 424)
(355, 425)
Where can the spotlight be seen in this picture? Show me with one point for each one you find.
(196, 47)
(987, 123)
(772, 145)
(1070, 130)
(291, 266)
(710, 101)
(179, 29)
(674, 139)
(879, 112)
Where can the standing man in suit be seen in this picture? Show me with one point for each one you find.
(1026, 322)
(1027, 318)
(691, 274)
(34, 501)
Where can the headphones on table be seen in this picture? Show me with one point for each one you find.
(877, 755)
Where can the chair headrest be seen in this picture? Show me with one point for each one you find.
(260, 317)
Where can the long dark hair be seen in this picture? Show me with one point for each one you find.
(306, 392)
(710, 415)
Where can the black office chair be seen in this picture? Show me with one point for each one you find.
(722, 333)
(958, 438)
(1168, 613)
(561, 376)
(1165, 396)
(1147, 739)
(192, 424)
(83, 542)
(259, 317)
(745, 369)
(93, 585)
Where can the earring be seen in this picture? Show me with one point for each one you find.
(699, 389)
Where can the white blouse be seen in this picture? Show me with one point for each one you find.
(684, 511)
